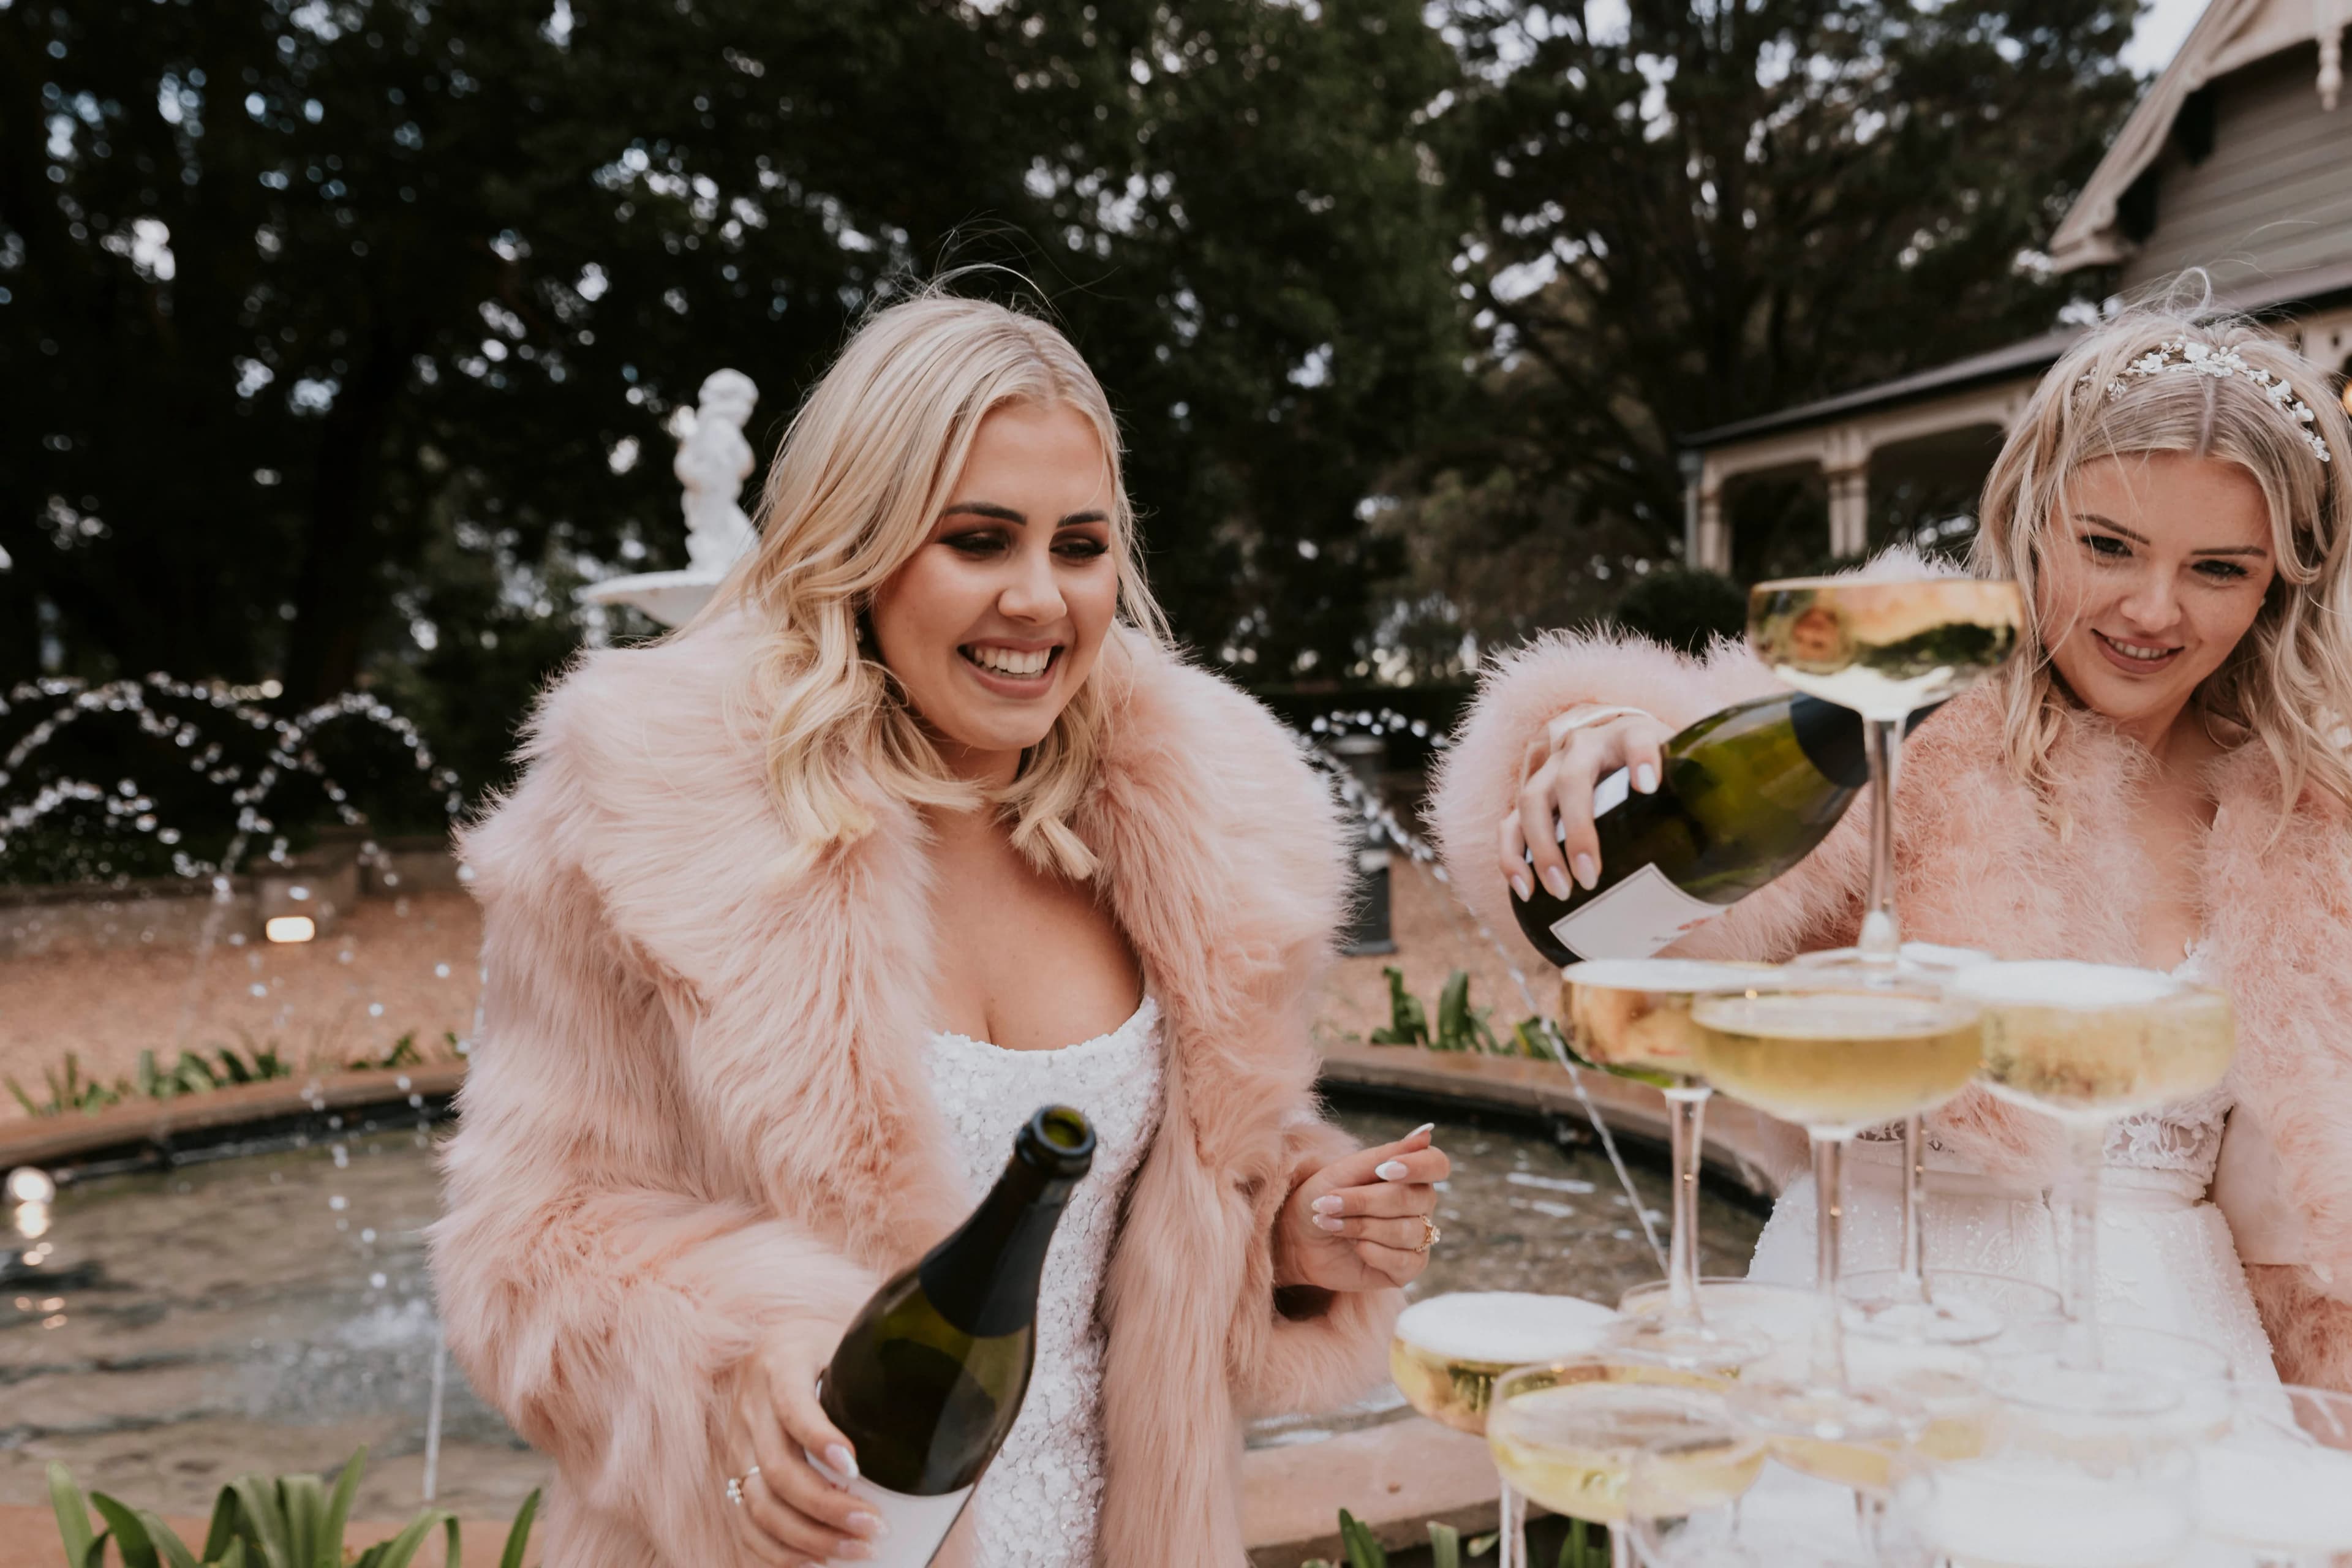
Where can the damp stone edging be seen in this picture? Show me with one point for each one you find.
(174, 911)
(153, 1128)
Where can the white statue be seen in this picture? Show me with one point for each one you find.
(713, 460)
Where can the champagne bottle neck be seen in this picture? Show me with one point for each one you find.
(983, 1279)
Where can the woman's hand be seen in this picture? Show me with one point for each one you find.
(1574, 752)
(792, 1517)
(1360, 1222)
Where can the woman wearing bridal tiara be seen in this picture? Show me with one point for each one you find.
(2160, 779)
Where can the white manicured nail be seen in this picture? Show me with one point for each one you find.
(1588, 871)
(1390, 1170)
(1329, 1202)
(1521, 886)
(1557, 880)
(1425, 1126)
(844, 1462)
(1328, 1222)
(1645, 779)
(872, 1526)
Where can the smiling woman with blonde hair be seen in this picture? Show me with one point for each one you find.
(2160, 780)
(796, 916)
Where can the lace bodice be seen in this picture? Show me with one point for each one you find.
(1037, 1505)
(2182, 1140)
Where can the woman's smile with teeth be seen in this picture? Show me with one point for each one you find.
(2142, 653)
(1010, 661)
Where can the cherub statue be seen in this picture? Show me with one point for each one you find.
(712, 462)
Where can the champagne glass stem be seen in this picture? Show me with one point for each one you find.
(1620, 1545)
(1913, 1281)
(1882, 740)
(1828, 1214)
(2086, 1143)
(1685, 1123)
(1511, 1529)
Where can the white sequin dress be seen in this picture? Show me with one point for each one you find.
(2167, 1259)
(1037, 1504)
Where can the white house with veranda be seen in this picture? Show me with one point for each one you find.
(2237, 160)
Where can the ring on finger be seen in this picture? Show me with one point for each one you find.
(735, 1485)
(1429, 1235)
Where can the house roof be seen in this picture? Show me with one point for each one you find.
(2304, 291)
(2231, 34)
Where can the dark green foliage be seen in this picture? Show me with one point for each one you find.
(1684, 609)
(1458, 1025)
(1706, 213)
(194, 1074)
(260, 1522)
(431, 269)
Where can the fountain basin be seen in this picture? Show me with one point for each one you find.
(237, 1281)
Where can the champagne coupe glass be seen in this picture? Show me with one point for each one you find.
(1568, 1433)
(1772, 1526)
(1887, 648)
(1449, 1349)
(2279, 1485)
(1632, 1017)
(1835, 1054)
(2068, 1477)
(1779, 1316)
(2088, 1043)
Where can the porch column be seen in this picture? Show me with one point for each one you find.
(1849, 509)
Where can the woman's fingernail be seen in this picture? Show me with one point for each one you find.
(1587, 872)
(1521, 886)
(1389, 1171)
(856, 1550)
(1329, 1202)
(844, 1462)
(1645, 779)
(1425, 1126)
(870, 1525)
(1557, 880)
(1328, 1222)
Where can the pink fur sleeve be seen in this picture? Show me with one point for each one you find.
(593, 1289)
(1479, 778)
(1319, 1349)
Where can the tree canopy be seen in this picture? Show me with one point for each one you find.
(1689, 212)
(342, 334)
(345, 334)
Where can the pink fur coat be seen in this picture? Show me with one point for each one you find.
(699, 1107)
(1983, 863)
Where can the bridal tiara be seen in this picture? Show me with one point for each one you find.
(2180, 354)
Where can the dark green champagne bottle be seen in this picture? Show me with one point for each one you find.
(929, 1378)
(1747, 794)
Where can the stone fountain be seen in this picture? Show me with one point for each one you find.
(713, 460)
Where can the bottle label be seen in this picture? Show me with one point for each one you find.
(917, 1524)
(1632, 920)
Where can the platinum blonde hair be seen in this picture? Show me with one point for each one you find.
(2289, 680)
(860, 479)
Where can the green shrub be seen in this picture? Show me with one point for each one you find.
(260, 1521)
(1459, 1027)
(194, 1074)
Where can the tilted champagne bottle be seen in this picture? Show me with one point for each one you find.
(1746, 794)
(930, 1375)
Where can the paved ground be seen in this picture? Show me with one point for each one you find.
(397, 966)
(408, 965)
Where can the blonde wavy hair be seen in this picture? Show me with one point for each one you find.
(2289, 680)
(860, 479)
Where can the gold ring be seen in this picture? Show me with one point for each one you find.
(735, 1485)
(1429, 1235)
